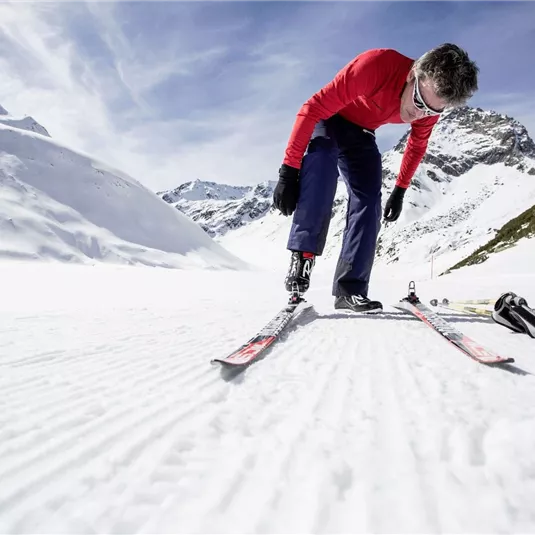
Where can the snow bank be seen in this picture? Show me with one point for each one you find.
(60, 204)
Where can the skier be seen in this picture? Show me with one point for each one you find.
(336, 127)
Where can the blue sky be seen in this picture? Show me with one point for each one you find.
(173, 91)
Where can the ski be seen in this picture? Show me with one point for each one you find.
(470, 301)
(460, 307)
(467, 345)
(267, 336)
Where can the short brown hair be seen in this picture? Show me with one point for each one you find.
(450, 70)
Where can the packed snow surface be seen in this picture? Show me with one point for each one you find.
(113, 420)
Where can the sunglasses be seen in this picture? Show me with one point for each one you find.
(419, 102)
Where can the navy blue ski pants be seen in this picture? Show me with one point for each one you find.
(339, 145)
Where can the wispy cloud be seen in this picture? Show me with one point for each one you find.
(43, 75)
(172, 91)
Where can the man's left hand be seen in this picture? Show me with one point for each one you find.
(394, 204)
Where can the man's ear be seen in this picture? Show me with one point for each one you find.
(410, 76)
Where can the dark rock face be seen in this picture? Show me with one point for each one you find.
(488, 138)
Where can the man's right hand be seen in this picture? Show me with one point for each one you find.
(287, 190)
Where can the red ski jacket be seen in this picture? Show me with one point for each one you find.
(367, 91)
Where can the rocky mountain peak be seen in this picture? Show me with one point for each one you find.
(199, 190)
(219, 208)
(467, 136)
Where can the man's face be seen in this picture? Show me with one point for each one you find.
(419, 100)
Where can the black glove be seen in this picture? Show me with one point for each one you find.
(394, 204)
(287, 190)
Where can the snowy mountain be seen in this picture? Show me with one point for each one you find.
(59, 204)
(219, 208)
(203, 191)
(478, 173)
(24, 123)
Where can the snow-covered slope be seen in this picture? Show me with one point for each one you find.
(24, 123)
(59, 204)
(349, 425)
(478, 173)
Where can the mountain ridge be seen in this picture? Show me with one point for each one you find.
(473, 154)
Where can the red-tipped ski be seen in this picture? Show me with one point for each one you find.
(256, 346)
(468, 346)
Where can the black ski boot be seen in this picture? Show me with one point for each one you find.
(502, 312)
(357, 303)
(301, 266)
(513, 312)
